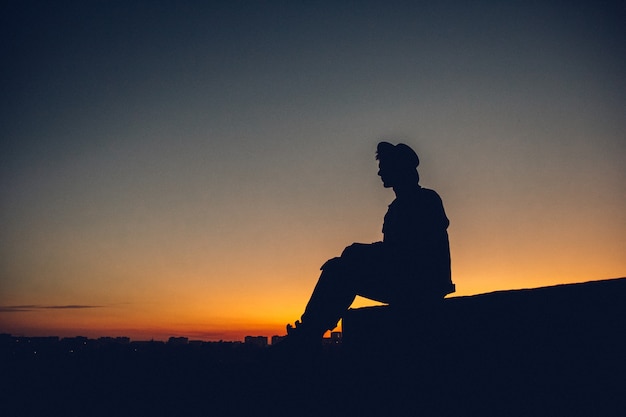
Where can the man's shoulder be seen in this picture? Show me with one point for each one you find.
(430, 194)
(421, 196)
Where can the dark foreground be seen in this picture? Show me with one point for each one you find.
(514, 353)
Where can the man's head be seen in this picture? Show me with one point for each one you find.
(397, 164)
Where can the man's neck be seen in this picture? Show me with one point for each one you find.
(405, 189)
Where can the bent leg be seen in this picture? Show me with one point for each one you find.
(330, 299)
(342, 279)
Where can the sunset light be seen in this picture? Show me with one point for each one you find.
(185, 171)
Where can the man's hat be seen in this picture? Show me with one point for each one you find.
(400, 155)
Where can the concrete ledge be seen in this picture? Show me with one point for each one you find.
(581, 317)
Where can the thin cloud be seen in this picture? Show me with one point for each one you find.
(36, 307)
(16, 309)
(72, 306)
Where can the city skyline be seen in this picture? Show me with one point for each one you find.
(185, 169)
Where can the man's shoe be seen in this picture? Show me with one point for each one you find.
(299, 340)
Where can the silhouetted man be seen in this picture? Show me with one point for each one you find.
(409, 269)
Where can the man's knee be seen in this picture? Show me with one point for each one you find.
(357, 250)
(331, 264)
(349, 255)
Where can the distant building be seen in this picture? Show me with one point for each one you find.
(260, 341)
(76, 339)
(6, 339)
(106, 340)
(177, 341)
(74, 344)
(44, 339)
(276, 339)
(334, 339)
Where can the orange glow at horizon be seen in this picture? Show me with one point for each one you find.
(214, 296)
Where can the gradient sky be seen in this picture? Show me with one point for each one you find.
(183, 169)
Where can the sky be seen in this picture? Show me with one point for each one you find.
(184, 168)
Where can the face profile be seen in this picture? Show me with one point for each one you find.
(397, 165)
(388, 174)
